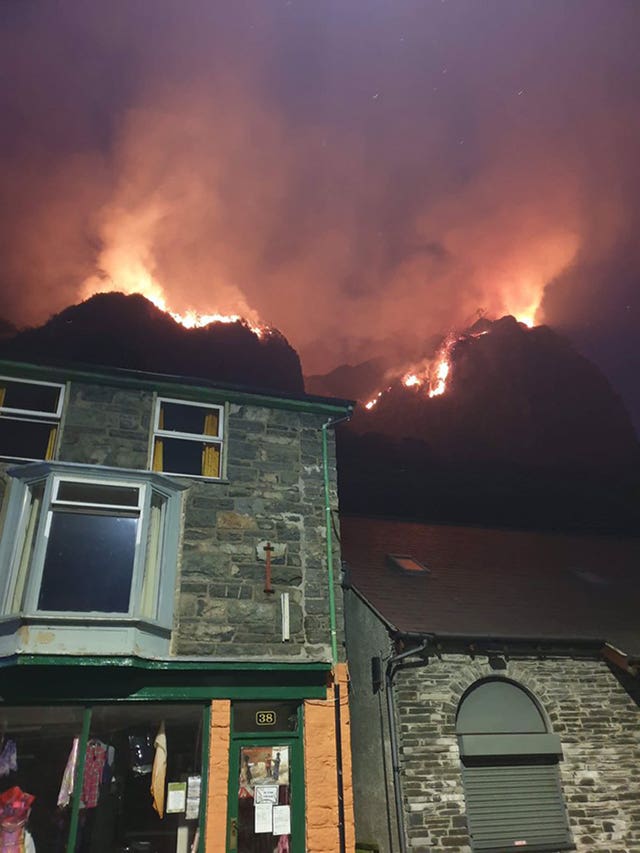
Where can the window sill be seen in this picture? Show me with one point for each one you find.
(82, 635)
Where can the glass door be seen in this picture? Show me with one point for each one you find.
(266, 790)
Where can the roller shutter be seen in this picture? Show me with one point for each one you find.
(518, 807)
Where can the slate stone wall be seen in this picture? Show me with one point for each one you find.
(274, 491)
(596, 719)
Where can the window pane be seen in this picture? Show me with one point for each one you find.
(32, 398)
(197, 420)
(24, 439)
(182, 456)
(98, 493)
(89, 563)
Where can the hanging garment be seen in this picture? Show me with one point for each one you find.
(66, 788)
(8, 758)
(159, 770)
(283, 844)
(94, 762)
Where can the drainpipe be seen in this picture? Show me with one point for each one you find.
(329, 537)
(392, 668)
(334, 633)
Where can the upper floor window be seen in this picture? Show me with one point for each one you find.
(93, 541)
(29, 418)
(188, 438)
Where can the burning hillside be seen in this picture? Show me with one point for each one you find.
(118, 330)
(503, 423)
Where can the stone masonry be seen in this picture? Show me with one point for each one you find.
(598, 724)
(274, 491)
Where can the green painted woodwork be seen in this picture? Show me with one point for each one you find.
(175, 665)
(204, 775)
(43, 682)
(329, 543)
(199, 391)
(77, 781)
(296, 775)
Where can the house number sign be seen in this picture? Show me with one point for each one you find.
(265, 718)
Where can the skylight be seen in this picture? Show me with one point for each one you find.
(407, 564)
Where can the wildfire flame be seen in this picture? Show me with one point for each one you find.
(433, 374)
(131, 277)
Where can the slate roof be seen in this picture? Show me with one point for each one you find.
(498, 583)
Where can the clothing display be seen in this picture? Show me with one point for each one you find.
(94, 762)
(159, 771)
(66, 788)
(8, 757)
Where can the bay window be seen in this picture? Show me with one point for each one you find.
(87, 545)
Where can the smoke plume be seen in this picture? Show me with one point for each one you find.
(362, 176)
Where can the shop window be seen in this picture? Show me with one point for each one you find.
(88, 542)
(29, 418)
(509, 770)
(137, 771)
(188, 438)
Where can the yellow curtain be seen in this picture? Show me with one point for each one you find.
(158, 460)
(51, 444)
(211, 423)
(158, 455)
(211, 460)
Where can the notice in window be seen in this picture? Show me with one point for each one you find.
(263, 818)
(193, 797)
(266, 794)
(176, 797)
(282, 820)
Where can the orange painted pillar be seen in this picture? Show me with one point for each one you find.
(218, 785)
(320, 759)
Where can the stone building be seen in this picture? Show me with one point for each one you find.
(172, 672)
(494, 688)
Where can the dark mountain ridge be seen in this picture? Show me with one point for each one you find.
(117, 330)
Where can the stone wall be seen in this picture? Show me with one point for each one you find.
(598, 724)
(274, 491)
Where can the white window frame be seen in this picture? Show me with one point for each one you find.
(202, 438)
(51, 475)
(33, 415)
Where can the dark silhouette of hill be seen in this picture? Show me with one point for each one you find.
(527, 433)
(116, 330)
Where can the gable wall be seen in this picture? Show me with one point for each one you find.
(598, 724)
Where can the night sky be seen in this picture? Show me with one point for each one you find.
(361, 174)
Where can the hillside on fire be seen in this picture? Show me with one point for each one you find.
(118, 330)
(500, 424)
(504, 424)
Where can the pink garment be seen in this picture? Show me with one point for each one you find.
(283, 844)
(94, 761)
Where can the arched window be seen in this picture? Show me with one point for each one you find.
(509, 769)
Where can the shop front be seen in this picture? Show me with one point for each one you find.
(133, 756)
